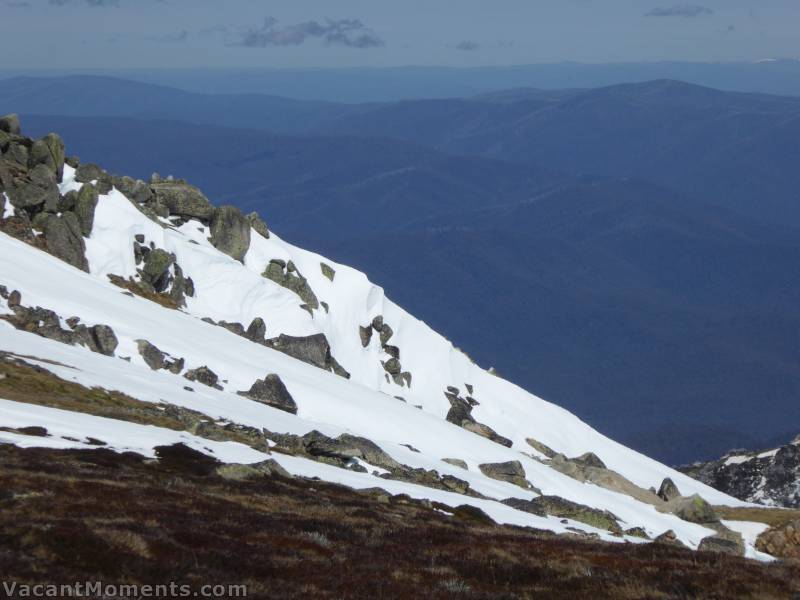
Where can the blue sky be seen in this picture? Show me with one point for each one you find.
(340, 33)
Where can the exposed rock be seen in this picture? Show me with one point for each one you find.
(765, 477)
(781, 541)
(182, 199)
(511, 471)
(668, 490)
(487, 432)
(669, 537)
(256, 331)
(540, 447)
(637, 532)
(327, 270)
(258, 224)
(85, 204)
(135, 190)
(10, 124)
(156, 268)
(693, 509)
(590, 459)
(392, 351)
(236, 328)
(732, 544)
(205, 376)
(65, 240)
(273, 392)
(291, 279)
(347, 447)
(456, 462)
(27, 189)
(91, 173)
(366, 335)
(392, 366)
(313, 350)
(230, 232)
(237, 472)
(525, 506)
(48, 151)
(105, 339)
(153, 357)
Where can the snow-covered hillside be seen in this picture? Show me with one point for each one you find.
(207, 310)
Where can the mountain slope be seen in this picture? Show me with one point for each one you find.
(619, 279)
(330, 380)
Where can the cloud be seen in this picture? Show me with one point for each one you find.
(343, 32)
(467, 45)
(177, 37)
(88, 2)
(680, 10)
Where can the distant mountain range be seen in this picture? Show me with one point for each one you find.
(583, 242)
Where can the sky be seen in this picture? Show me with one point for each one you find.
(73, 34)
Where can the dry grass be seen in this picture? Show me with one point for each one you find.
(774, 517)
(136, 288)
(122, 518)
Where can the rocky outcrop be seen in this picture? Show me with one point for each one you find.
(64, 239)
(770, 477)
(46, 323)
(460, 414)
(511, 471)
(693, 509)
(10, 124)
(160, 274)
(237, 472)
(230, 232)
(156, 359)
(85, 204)
(272, 392)
(286, 275)
(91, 173)
(258, 224)
(782, 541)
(668, 490)
(313, 350)
(181, 199)
(327, 270)
(540, 447)
(205, 376)
(731, 543)
(556, 506)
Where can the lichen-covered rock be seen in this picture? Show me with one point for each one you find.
(237, 472)
(256, 331)
(731, 544)
(105, 339)
(590, 459)
(668, 490)
(85, 204)
(540, 447)
(182, 199)
(272, 392)
(511, 471)
(65, 240)
(566, 509)
(31, 188)
(486, 432)
(781, 541)
(366, 335)
(91, 173)
(48, 151)
(258, 224)
(392, 366)
(230, 232)
(205, 376)
(346, 447)
(10, 124)
(153, 357)
(135, 190)
(156, 268)
(693, 509)
(637, 532)
(281, 273)
(327, 270)
(456, 462)
(313, 350)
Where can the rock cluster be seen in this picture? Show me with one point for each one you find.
(46, 323)
(511, 471)
(272, 392)
(313, 350)
(782, 541)
(460, 414)
(286, 275)
(160, 273)
(556, 506)
(763, 477)
(30, 171)
(392, 365)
